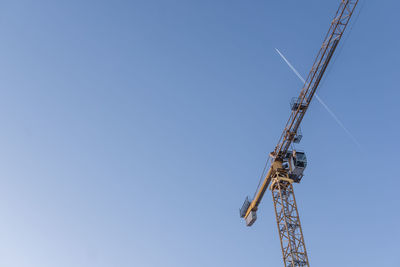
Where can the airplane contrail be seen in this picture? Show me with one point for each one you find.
(320, 101)
(291, 66)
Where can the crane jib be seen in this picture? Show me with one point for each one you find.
(306, 97)
(334, 45)
(288, 141)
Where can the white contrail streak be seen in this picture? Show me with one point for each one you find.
(338, 121)
(320, 101)
(290, 66)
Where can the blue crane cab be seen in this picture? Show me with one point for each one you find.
(295, 162)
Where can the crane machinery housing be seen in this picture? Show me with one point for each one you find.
(287, 165)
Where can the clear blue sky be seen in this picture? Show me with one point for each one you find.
(131, 131)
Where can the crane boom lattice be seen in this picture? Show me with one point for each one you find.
(332, 38)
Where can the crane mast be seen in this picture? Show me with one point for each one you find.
(287, 166)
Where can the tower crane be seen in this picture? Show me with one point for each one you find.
(287, 165)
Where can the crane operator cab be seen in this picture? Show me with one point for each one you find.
(295, 162)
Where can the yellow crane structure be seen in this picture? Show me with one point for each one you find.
(287, 165)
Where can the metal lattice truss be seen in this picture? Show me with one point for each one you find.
(287, 217)
(332, 38)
